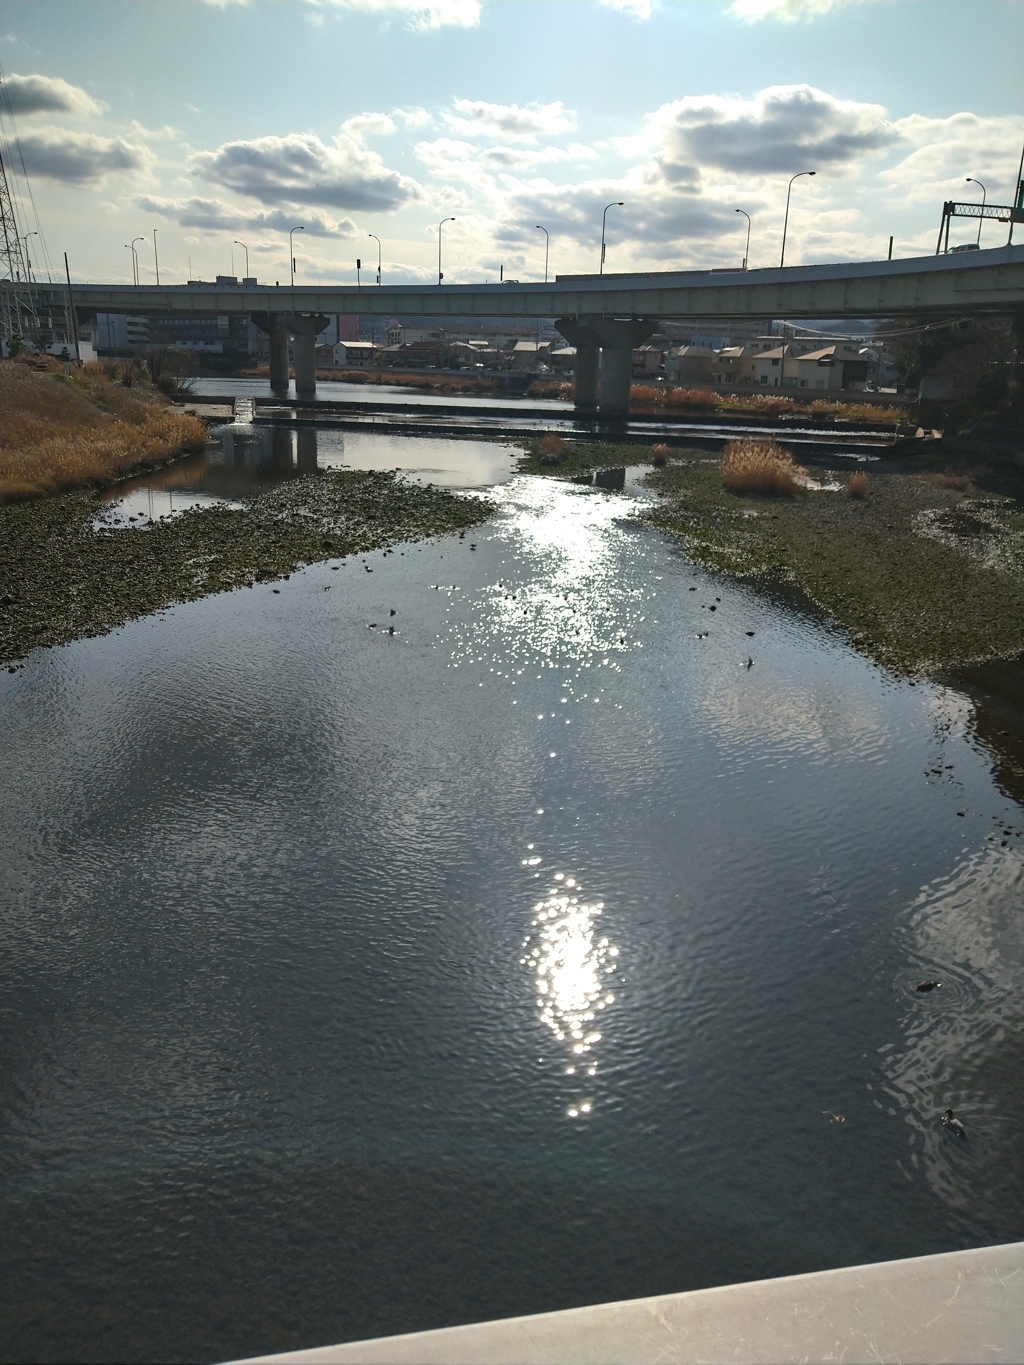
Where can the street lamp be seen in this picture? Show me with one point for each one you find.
(984, 195)
(291, 249)
(246, 250)
(785, 224)
(618, 204)
(440, 274)
(135, 257)
(156, 258)
(28, 263)
(547, 247)
(746, 254)
(377, 240)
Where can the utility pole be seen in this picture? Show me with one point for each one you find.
(71, 312)
(156, 258)
(16, 299)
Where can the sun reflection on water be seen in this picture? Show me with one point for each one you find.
(571, 966)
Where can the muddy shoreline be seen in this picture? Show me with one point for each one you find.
(924, 576)
(926, 573)
(62, 580)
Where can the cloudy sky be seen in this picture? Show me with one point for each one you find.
(239, 119)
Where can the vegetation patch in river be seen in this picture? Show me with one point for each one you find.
(63, 580)
(925, 572)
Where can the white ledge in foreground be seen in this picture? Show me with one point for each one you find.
(957, 1308)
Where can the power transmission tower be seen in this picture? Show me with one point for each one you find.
(14, 282)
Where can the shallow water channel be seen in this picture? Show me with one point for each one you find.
(358, 982)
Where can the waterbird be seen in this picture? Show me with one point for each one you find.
(833, 1117)
(928, 985)
(950, 1121)
(393, 612)
(749, 663)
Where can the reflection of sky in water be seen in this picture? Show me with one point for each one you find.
(425, 459)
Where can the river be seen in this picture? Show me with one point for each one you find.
(561, 946)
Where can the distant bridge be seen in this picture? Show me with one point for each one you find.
(604, 316)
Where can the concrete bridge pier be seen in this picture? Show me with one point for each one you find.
(605, 390)
(585, 384)
(279, 356)
(275, 326)
(304, 355)
(304, 328)
(616, 379)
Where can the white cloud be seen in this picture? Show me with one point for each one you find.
(451, 159)
(947, 150)
(636, 9)
(214, 215)
(422, 14)
(413, 118)
(300, 169)
(374, 125)
(80, 158)
(46, 94)
(788, 11)
(782, 130)
(512, 122)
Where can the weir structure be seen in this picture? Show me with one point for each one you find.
(604, 316)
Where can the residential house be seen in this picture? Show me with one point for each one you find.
(690, 366)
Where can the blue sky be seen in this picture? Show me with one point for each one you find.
(220, 121)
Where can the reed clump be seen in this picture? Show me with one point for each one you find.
(857, 484)
(69, 431)
(759, 467)
(553, 449)
(550, 388)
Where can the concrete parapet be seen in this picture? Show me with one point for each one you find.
(956, 1308)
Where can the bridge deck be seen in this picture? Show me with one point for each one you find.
(972, 282)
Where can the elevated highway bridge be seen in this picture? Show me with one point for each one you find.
(603, 316)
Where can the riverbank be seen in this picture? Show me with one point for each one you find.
(925, 572)
(83, 429)
(64, 580)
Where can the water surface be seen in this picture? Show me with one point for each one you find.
(358, 982)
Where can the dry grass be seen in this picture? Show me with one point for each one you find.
(960, 483)
(857, 484)
(759, 467)
(553, 449)
(60, 432)
(550, 388)
(659, 455)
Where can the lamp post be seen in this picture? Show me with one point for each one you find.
(156, 258)
(547, 247)
(746, 253)
(246, 250)
(785, 225)
(291, 249)
(135, 256)
(377, 240)
(618, 204)
(440, 273)
(984, 195)
(135, 267)
(28, 263)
